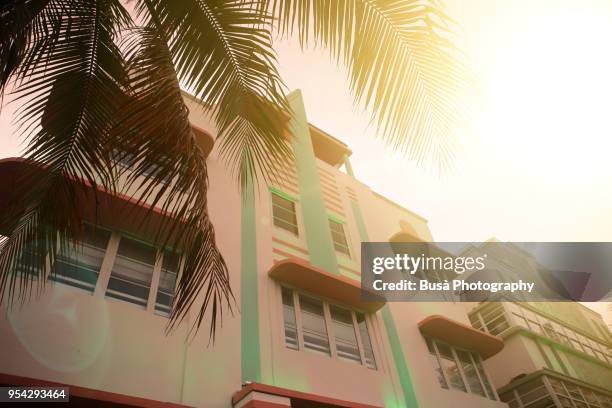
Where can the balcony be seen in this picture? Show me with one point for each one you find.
(504, 319)
(548, 389)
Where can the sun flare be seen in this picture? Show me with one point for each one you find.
(548, 90)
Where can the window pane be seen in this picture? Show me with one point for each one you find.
(543, 403)
(483, 375)
(79, 265)
(313, 325)
(123, 158)
(167, 283)
(339, 237)
(471, 376)
(28, 264)
(590, 397)
(344, 333)
(565, 402)
(368, 351)
(282, 202)
(574, 391)
(291, 339)
(283, 213)
(436, 362)
(130, 279)
(532, 391)
(449, 366)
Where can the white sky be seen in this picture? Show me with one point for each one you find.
(536, 162)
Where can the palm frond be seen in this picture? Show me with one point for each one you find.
(154, 128)
(70, 95)
(222, 53)
(24, 23)
(402, 65)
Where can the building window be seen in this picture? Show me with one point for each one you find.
(472, 377)
(284, 214)
(495, 318)
(459, 369)
(345, 334)
(78, 264)
(133, 266)
(132, 272)
(437, 365)
(167, 282)
(537, 393)
(28, 263)
(339, 237)
(368, 350)
(450, 368)
(491, 319)
(327, 329)
(125, 160)
(314, 329)
(291, 336)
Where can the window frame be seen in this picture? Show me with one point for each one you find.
(333, 219)
(329, 325)
(459, 363)
(154, 273)
(106, 268)
(284, 196)
(51, 274)
(156, 279)
(155, 276)
(122, 165)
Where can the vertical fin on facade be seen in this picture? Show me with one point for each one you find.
(316, 225)
(249, 313)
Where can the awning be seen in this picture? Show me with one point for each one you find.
(461, 335)
(100, 207)
(302, 275)
(297, 398)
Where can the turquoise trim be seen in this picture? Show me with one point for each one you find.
(399, 358)
(249, 301)
(317, 231)
(335, 218)
(283, 194)
(394, 341)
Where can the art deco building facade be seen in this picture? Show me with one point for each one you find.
(303, 336)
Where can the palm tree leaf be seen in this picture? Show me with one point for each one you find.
(401, 61)
(222, 54)
(24, 22)
(154, 128)
(69, 95)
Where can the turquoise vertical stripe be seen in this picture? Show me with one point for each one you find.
(318, 234)
(399, 358)
(249, 318)
(394, 341)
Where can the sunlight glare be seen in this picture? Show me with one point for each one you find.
(548, 95)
